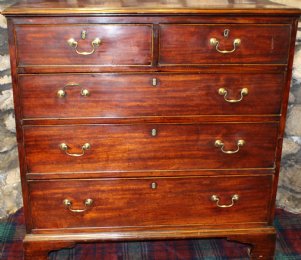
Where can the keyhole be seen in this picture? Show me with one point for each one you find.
(154, 185)
(83, 35)
(154, 82)
(154, 132)
(226, 33)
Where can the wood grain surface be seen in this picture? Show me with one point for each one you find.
(132, 202)
(131, 95)
(82, 7)
(143, 135)
(125, 44)
(132, 147)
(190, 44)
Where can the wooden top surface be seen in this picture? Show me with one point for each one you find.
(67, 7)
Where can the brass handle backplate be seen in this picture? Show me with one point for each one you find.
(87, 203)
(216, 199)
(74, 44)
(220, 144)
(224, 92)
(85, 92)
(61, 93)
(64, 147)
(215, 42)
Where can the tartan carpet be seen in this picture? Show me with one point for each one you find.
(288, 245)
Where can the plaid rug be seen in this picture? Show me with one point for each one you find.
(288, 245)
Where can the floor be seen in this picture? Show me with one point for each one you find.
(288, 245)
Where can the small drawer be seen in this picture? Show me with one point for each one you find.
(83, 45)
(135, 147)
(128, 95)
(223, 44)
(149, 202)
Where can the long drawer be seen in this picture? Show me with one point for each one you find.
(126, 95)
(193, 44)
(85, 44)
(71, 148)
(149, 202)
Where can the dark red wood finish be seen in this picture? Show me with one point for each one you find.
(190, 44)
(261, 8)
(132, 147)
(169, 43)
(128, 95)
(121, 44)
(133, 202)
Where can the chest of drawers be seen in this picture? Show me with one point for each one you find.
(150, 120)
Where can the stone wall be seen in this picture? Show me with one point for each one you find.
(10, 189)
(289, 195)
(289, 188)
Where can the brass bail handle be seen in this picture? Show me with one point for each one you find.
(215, 42)
(74, 44)
(87, 203)
(216, 199)
(61, 93)
(224, 92)
(64, 147)
(220, 144)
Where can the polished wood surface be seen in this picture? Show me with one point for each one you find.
(262, 240)
(142, 133)
(120, 45)
(263, 244)
(63, 7)
(149, 174)
(128, 95)
(133, 202)
(132, 147)
(259, 44)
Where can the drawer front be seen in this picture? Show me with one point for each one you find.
(119, 45)
(255, 44)
(149, 147)
(149, 202)
(126, 95)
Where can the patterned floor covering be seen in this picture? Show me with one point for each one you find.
(288, 245)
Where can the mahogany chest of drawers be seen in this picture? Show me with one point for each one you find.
(150, 119)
